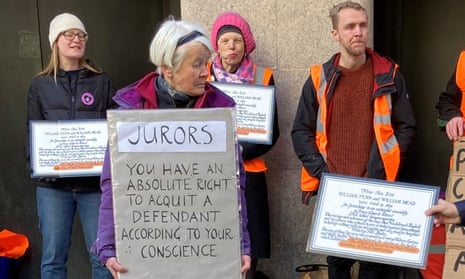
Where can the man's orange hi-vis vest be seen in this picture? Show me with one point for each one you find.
(262, 77)
(460, 78)
(384, 133)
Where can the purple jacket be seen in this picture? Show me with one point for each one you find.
(142, 95)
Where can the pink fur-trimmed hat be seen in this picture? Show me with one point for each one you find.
(236, 20)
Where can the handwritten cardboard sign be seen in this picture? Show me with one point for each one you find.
(67, 147)
(373, 220)
(454, 266)
(175, 193)
(255, 110)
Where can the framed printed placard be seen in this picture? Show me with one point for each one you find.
(255, 110)
(373, 220)
(67, 148)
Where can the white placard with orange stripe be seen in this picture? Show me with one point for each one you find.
(373, 220)
(67, 148)
(255, 110)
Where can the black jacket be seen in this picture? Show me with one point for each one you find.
(303, 131)
(448, 105)
(80, 94)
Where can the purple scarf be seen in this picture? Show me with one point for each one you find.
(244, 73)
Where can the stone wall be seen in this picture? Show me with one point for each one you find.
(290, 35)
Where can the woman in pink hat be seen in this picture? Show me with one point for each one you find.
(233, 42)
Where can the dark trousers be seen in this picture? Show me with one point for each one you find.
(340, 268)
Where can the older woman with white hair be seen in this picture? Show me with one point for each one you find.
(180, 51)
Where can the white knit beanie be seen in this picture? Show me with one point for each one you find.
(63, 22)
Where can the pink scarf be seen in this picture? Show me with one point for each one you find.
(244, 73)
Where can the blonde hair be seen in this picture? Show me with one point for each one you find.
(334, 11)
(53, 64)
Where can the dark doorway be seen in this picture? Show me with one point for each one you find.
(424, 38)
(119, 38)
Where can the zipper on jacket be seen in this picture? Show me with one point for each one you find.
(74, 88)
(73, 105)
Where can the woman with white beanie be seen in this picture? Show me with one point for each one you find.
(69, 88)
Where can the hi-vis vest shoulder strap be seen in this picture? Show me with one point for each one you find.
(308, 182)
(384, 133)
(460, 78)
(385, 137)
(262, 77)
(460, 81)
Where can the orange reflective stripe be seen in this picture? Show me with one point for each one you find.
(460, 78)
(255, 165)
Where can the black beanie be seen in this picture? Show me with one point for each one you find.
(228, 28)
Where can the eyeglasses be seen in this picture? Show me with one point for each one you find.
(69, 35)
